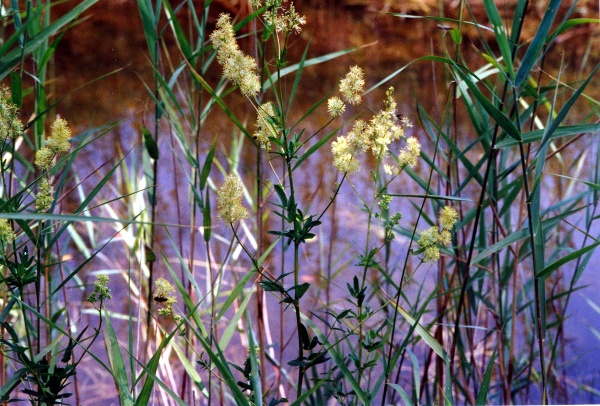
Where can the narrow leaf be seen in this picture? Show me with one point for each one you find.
(567, 258)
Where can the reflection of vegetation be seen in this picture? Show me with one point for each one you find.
(367, 305)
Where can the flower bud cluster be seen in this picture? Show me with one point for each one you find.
(229, 200)
(383, 129)
(240, 69)
(7, 235)
(10, 124)
(265, 125)
(433, 238)
(101, 290)
(57, 144)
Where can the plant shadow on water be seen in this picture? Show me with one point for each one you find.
(258, 309)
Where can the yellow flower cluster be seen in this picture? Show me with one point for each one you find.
(265, 125)
(57, 144)
(163, 295)
(10, 124)
(346, 149)
(409, 155)
(335, 106)
(383, 128)
(352, 85)
(7, 235)
(60, 136)
(431, 239)
(229, 200)
(378, 134)
(238, 68)
(44, 198)
(350, 88)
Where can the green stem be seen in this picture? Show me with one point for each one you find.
(298, 320)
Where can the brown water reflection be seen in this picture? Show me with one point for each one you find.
(112, 39)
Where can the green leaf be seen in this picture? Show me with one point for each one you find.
(485, 384)
(207, 165)
(500, 34)
(207, 219)
(150, 23)
(546, 271)
(16, 89)
(456, 36)
(281, 193)
(232, 325)
(537, 135)
(339, 360)
(402, 393)
(533, 52)
(566, 25)
(117, 365)
(314, 148)
(150, 143)
(300, 290)
(498, 116)
(562, 114)
(422, 331)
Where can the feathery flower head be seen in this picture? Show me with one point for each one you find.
(428, 240)
(43, 158)
(448, 217)
(335, 106)
(431, 239)
(343, 156)
(352, 85)
(431, 253)
(59, 138)
(10, 124)
(265, 125)
(7, 235)
(55, 145)
(445, 238)
(384, 127)
(229, 200)
(359, 137)
(346, 149)
(44, 198)
(240, 69)
(409, 155)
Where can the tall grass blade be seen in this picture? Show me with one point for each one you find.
(533, 51)
(562, 114)
(485, 384)
(549, 269)
(119, 372)
(559, 132)
(500, 36)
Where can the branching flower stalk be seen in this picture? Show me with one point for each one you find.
(377, 135)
